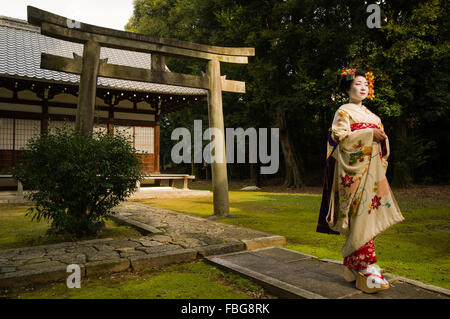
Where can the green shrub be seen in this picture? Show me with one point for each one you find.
(77, 179)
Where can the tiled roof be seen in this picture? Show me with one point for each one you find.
(21, 46)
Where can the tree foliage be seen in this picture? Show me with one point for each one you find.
(301, 45)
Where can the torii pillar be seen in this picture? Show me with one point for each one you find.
(88, 88)
(215, 116)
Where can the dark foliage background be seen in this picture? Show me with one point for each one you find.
(301, 45)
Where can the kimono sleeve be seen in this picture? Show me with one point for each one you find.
(354, 148)
(384, 149)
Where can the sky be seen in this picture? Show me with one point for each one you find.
(112, 14)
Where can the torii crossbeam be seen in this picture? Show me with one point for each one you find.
(90, 66)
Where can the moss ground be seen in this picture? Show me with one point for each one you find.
(17, 230)
(418, 248)
(196, 280)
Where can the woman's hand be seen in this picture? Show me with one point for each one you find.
(378, 135)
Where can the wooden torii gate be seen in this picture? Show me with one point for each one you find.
(90, 66)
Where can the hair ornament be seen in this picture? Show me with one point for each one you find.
(348, 73)
(371, 81)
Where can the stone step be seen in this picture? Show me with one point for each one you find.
(144, 229)
(291, 274)
(22, 267)
(262, 242)
(45, 272)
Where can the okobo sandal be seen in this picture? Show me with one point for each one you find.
(370, 280)
(350, 274)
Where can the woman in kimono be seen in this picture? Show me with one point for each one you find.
(357, 200)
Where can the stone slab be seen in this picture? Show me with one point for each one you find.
(146, 242)
(37, 261)
(131, 253)
(174, 223)
(161, 238)
(43, 265)
(400, 290)
(145, 229)
(281, 254)
(303, 275)
(262, 242)
(163, 258)
(220, 248)
(26, 278)
(124, 243)
(103, 255)
(104, 248)
(69, 258)
(68, 245)
(271, 284)
(9, 253)
(7, 269)
(186, 242)
(311, 278)
(439, 290)
(29, 254)
(107, 266)
(159, 248)
(95, 241)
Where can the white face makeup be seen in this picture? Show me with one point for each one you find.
(359, 89)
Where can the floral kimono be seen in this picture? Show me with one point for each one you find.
(357, 200)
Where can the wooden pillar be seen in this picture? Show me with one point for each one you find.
(45, 116)
(158, 63)
(215, 115)
(156, 148)
(110, 122)
(88, 87)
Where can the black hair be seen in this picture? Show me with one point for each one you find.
(344, 84)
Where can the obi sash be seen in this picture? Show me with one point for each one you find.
(322, 225)
(360, 126)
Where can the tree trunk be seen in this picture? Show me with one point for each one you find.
(254, 174)
(207, 172)
(402, 170)
(293, 164)
(195, 170)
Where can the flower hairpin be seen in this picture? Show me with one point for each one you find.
(371, 81)
(348, 73)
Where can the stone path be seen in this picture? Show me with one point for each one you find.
(168, 192)
(170, 238)
(190, 231)
(17, 198)
(291, 274)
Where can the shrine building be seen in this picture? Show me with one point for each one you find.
(35, 100)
